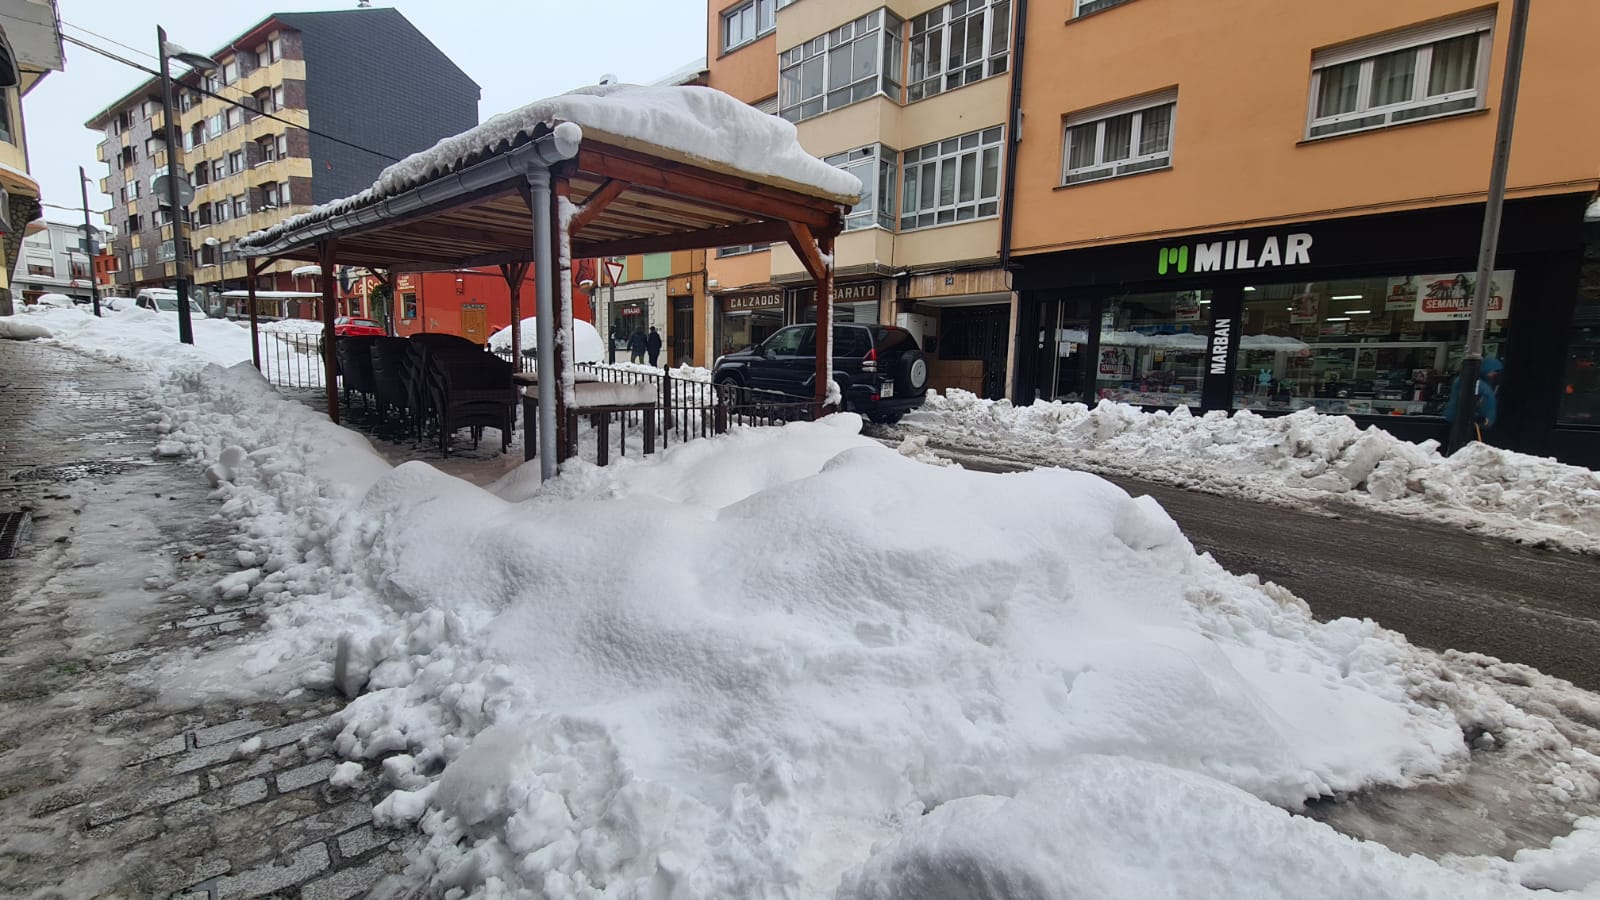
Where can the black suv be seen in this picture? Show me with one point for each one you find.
(881, 371)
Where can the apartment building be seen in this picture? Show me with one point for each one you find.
(912, 96)
(305, 108)
(30, 49)
(1223, 207)
(55, 260)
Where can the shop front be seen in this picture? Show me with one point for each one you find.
(853, 301)
(1365, 317)
(746, 318)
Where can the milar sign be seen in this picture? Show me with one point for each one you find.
(1232, 255)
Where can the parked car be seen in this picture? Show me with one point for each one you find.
(166, 300)
(881, 371)
(347, 326)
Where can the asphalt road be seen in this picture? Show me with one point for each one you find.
(1442, 587)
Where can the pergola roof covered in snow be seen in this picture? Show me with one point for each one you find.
(681, 167)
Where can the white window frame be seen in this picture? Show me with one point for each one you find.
(1089, 7)
(878, 168)
(882, 29)
(757, 28)
(241, 206)
(938, 76)
(1133, 164)
(741, 250)
(937, 156)
(1422, 38)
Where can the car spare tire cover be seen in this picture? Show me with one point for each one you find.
(912, 376)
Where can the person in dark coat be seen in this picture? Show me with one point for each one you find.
(653, 344)
(637, 346)
(1488, 402)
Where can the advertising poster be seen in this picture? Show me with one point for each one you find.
(1402, 294)
(1307, 307)
(1116, 364)
(1187, 307)
(1448, 296)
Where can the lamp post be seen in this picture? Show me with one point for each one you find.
(175, 168)
(88, 241)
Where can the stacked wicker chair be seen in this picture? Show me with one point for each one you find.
(457, 384)
(354, 356)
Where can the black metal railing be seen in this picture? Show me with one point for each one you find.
(292, 359)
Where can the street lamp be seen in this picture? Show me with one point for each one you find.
(174, 168)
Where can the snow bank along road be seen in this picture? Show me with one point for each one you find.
(1440, 586)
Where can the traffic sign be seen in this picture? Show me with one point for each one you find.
(614, 270)
(160, 188)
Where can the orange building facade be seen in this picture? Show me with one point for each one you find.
(1227, 207)
(472, 303)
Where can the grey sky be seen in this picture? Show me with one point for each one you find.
(517, 50)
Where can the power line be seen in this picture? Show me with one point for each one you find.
(111, 40)
(230, 101)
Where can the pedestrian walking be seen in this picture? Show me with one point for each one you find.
(637, 345)
(1488, 405)
(653, 344)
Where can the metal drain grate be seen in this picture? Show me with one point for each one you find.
(13, 528)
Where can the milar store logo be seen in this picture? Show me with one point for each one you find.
(1228, 256)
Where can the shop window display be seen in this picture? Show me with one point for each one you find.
(1152, 348)
(1365, 346)
(1580, 386)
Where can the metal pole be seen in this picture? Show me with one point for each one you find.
(1461, 429)
(185, 326)
(544, 316)
(89, 241)
(611, 310)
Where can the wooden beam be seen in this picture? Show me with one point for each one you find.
(686, 240)
(805, 247)
(608, 191)
(748, 197)
(251, 269)
(329, 253)
(438, 228)
(515, 273)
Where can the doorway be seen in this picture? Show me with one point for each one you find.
(682, 331)
(981, 333)
(473, 322)
(1068, 351)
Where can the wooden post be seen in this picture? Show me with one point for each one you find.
(560, 189)
(327, 252)
(514, 273)
(252, 270)
(824, 324)
(602, 453)
(666, 402)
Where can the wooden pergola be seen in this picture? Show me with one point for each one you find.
(555, 192)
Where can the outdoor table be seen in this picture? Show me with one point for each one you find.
(594, 397)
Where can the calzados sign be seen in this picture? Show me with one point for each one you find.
(1233, 255)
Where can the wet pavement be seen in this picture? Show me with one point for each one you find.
(104, 792)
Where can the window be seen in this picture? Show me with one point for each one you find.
(230, 71)
(796, 340)
(283, 146)
(202, 174)
(133, 224)
(269, 195)
(235, 117)
(1124, 139)
(745, 23)
(5, 117)
(1384, 345)
(1421, 73)
(275, 49)
(1084, 7)
(133, 190)
(277, 98)
(954, 180)
(1153, 348)
(263, 100)
(214, 126)
(957, 44)
(138, 257)
(79, 269)
(241, 206)
(875, 166)
(740, 250)
(219, 169)
(202, 215)
(1580, 386)
(45, 269)
(151, 145)
(269, 148)
(846, 65)
(235, 162)
(222, 210)
(408, 305)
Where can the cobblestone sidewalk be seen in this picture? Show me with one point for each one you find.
(102, 792)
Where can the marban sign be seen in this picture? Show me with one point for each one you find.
(764, 300)
(1221, 337)
(1232, 255)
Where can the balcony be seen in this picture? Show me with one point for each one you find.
(100, 152)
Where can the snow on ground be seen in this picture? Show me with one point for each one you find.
(291, 326)
(1305, 456)
(590, 347)
(793, 662)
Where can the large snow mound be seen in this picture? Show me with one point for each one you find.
(1304, 455)
(701, 125)
(731, 669)
(16, 328)
(590, 348)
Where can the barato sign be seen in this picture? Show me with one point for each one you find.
(763, 300)
(851, 292)
(1235, 255)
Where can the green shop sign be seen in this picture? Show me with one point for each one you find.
(1228, 256)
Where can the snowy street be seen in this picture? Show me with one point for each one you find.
(1441, 586)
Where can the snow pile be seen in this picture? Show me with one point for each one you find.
(1305, 455)
(145, 338)
(701, 125)
(682, 372)
(720, 672)
(291, 326)
(590, 347)
(16, 328)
